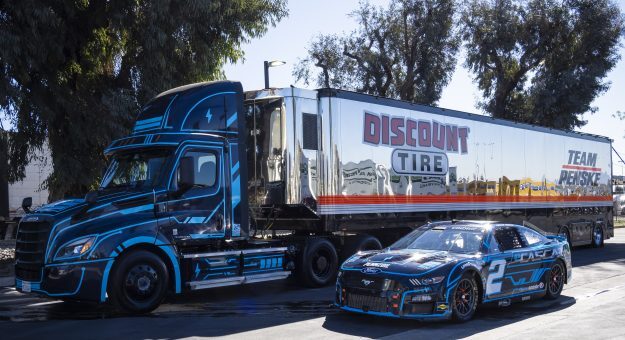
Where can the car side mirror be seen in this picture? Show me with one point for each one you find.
(27, 202)
(91, 197)
(186, 173)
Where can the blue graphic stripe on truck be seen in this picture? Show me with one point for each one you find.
(149, 123)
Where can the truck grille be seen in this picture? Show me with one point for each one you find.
(30, 248)
(367, 302)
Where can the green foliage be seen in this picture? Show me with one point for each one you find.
(407, 51)
(541, 61)
(73, 73)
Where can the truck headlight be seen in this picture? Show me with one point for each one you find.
(76, 248)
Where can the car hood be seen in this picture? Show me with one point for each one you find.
(403, 261)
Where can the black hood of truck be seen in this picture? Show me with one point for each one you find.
(73, 218)
(78, 209)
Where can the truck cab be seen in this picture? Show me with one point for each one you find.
(171, 213)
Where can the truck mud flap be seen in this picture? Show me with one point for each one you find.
(218, 269)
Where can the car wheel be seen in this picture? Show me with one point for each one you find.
(555, 281)
(139, 282)
(464, 299)
(318, 263)
(597, 237)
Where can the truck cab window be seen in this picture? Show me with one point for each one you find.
(135, 169)
(197, 169)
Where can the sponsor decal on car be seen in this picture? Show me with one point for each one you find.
(370, 270)
(377, 264)
(441, 306)
(366, 282)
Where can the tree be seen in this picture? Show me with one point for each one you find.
(407, 51)
(541, 61)
(73, 73)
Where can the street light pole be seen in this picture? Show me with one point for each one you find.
(266, 74)
(267, 65)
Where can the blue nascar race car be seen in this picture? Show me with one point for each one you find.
(444, 270)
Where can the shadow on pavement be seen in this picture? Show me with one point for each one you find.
(611, 252)
(487, 317)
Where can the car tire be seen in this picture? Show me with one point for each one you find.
(139, 282)
(357, 243)
(464, 299)
(317, 263)
(554, 280)
(597, 237)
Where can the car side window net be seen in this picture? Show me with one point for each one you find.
(508, 238)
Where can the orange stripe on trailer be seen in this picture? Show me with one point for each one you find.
(388, 199)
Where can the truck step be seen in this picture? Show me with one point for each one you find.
(238, 280)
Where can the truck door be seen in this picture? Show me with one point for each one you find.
(197, 201)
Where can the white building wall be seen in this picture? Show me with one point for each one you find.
(36, 171)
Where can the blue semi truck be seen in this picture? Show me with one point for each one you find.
(216, 186)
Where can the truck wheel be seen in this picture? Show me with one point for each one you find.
(139, 282)
(357, 243)
(597, 237)
(318, 263)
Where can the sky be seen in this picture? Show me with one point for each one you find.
(290, 38)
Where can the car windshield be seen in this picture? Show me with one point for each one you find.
(138, 169)
(457, 239)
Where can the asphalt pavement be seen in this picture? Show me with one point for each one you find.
(590, 307)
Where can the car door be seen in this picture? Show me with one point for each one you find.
(196, 206)
(517, 268)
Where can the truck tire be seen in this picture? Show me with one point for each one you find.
(597, 236)
(357, 243)
(139, 282)
(317, 263)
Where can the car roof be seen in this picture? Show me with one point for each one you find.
(472, 223)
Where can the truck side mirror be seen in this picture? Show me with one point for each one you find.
(27, 202)
(186, 173)
(91, 197)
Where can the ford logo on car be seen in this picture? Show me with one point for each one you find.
(369, 270)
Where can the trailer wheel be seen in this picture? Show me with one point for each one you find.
(139, 282)
(357, 243)
(597, 236)
(318, 263)
(567, 234)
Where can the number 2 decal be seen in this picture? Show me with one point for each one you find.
(495, 273)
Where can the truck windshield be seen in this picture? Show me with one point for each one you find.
(456, 239)
(138, 169)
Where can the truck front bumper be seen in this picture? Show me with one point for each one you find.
(81, 280)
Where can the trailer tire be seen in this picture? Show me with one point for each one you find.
(357, 243)
(317, 263)
(597, 236)
(139, 282)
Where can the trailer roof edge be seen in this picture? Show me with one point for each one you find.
(402, 104)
